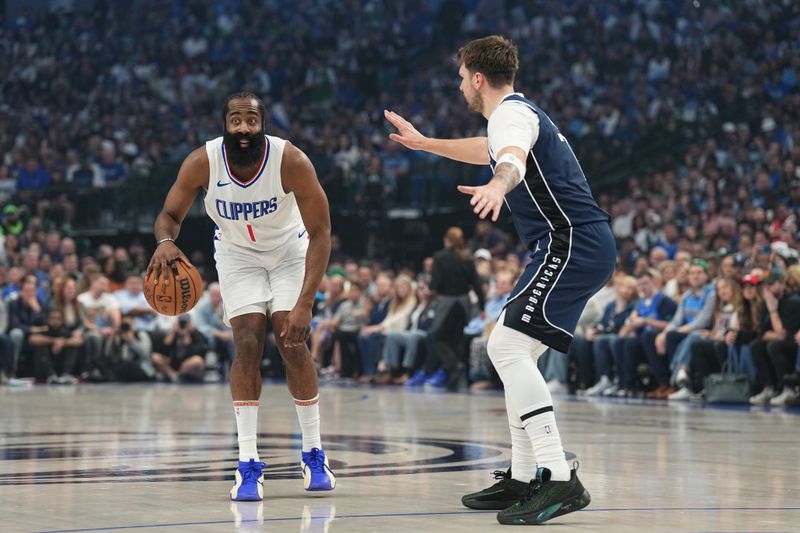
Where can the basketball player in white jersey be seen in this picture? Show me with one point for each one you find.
(271, 247)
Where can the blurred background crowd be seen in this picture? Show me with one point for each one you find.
(684, 116)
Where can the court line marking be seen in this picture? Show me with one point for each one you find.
(393, 515)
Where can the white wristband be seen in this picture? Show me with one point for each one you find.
(508, 157)
(165, 239)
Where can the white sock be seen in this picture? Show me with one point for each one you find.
(514, 356)
(308, 415)
(543, 432)
(246, 428)
(523, 461)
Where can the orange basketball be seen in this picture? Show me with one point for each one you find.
(176, 291)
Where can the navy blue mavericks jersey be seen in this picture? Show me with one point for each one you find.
(554, 195)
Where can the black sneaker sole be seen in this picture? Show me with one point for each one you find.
(488, 505)
(576, 503)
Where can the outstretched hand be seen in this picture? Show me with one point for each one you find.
(407, 134)
(486, 199)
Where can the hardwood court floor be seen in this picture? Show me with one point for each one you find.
(161, 458)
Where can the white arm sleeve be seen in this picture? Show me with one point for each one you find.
(513, 124)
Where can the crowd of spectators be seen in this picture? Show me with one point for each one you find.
(92, 98)
(68, 315)
(694, 105)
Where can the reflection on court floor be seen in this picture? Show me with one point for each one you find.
(113, 458)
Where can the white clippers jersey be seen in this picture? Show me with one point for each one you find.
(257, 215)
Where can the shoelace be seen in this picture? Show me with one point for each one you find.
(533, 489)
(500, 474)
(315, 462)
(252, 473)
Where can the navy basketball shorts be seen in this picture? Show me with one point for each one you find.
(567, 269)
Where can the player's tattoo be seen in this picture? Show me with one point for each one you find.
(508, 175)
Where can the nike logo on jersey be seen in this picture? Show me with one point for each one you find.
(301, 234)
(220, 184)
(246, 210)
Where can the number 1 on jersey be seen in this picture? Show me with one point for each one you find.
(250, 231)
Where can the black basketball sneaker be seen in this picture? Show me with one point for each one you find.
(505, 492)
(546, 499)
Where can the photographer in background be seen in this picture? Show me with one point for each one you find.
(128, 353)
(183, 352)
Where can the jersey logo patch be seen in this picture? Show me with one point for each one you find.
(220, 184)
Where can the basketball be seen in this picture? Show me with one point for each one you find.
(176, 291)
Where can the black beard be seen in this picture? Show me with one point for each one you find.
(244, 157)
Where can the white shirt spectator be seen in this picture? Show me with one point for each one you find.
(98, 310)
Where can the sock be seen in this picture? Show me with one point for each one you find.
(523, 461)
(514, 356)
(308, 415)
(543, 433)
(246, 426)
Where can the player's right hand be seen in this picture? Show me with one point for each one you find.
(166, 253)
(407, 134)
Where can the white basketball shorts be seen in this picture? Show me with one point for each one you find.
(257, 282)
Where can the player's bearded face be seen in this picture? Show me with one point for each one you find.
(474, 101)
(244, 149)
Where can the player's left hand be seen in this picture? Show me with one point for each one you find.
(486, 198)
(296, 327)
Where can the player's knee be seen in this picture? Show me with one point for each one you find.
(497, 349)
(247, 346)
(294, 356)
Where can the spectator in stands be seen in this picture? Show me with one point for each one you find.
(55, 350)
(85, 174)
(113, 170)
(72, 266)
(12, 224)
(706, 350)
(369, 341)
(481, 372)
(403, 303)
(488, 237)
(7, 367)
(594, 355)
(208, 316)
(65, 299)
(774, 354)
(694, 313)
(322, 335)
(349, 319)
(101, 318)
(185, 349)
(452, 278)
(407, 342)
(651, 315)
(33, 176)
(114, 273)
(27, 315)
(14, 278)
(132, 302)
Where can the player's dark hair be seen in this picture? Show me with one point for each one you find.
(494, 56)
(248, 96)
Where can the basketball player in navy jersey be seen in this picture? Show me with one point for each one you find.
(271, 247)
(573, 253)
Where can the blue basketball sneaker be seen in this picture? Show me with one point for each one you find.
(437, 381)
(249, 486)
(417, 380)
(317, 475)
